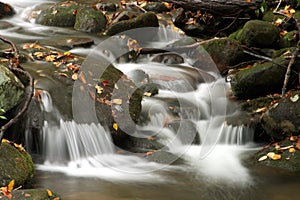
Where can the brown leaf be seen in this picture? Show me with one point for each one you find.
(298, 144)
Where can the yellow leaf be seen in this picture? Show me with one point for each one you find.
(147, 94)
(67, 53)
(19, 147)
(262, 158)
(292, 150)
(117, 101)
(49, 193)
(99, 89)
(115, 126)
(10, 186)
(261, 109)
(75, 76)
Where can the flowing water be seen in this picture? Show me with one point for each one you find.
(81, 162)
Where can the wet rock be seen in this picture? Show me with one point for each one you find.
(256, 33)
(224, 58)
(289, 40)
(11, 89)
(165, 157)
(5, 25)
(156, 7)
(15, 164)
(141, 145)
(90, 20)
(150, 89)
(123, 16)
(168, 58)
(261, 79)
(109, 7)
(283, 118)
(62, 14)
(6, 10)
(289, 161)
(144, 20)
(68, 43)
(30, 194)
(138, 76)
(186, 130)
(183, 42)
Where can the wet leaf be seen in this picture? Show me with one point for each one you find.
(19, 147)
(147, 94)
(99, 89)
(117, 101)
(292, 150)
(75, 76)
(27, 195)
(63, 74)
(50, 194)
(105, 83)
(274, 156)
(262, 158)
(115, 126)
(287, 147)
(261, 109)
(294, 98)
(67, 53)
(149, 153)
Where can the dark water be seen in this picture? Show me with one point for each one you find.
(222, 177)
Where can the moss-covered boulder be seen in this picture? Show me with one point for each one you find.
(225, 52)
(6, 10)
(256, 33)
(11, 89)
(261, 79)
(15, 164)
(289, 40)
(144, 20)
(283, 119)
(284, 155)
(31, 194)
(157, 7)
(90, 20)
(62, 14)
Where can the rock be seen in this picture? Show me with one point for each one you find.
(62, 14)
(150, 89)
(5, 25)
(168, 58)
(283, 118)
(261, 79)
(138, 76)
(30, 194)
(11, 89)
(156, 7)
(165, 157)
(223, 59)
(144, 20)
(186, 130)
(183, 42)
(15, 164)
(90, 20)
(289, 161)
(6, 10)
(261, 34)
(68, 43)
(109, 7)
(289, 40)
(141, 145)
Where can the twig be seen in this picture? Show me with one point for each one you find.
(15, 68)
(278, 5)
(258, 56)
(293, 58)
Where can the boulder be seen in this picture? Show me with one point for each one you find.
(261, 79)
(261, 34)
(144, 20)
(31, 194)
(223, 59)
(282, 119)
(6, 10)
(168, 58)
(90, 20)
(15, 164)
(11, 90)
(165, 157)
(289, 40)
(62, 14)
(68, 43)
(157, 7)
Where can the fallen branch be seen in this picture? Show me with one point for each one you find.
(15, 68)
(293, 58)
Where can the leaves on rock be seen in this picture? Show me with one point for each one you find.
(6, 191)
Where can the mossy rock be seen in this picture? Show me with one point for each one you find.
(30, 194)
(157, 7)
(62, 14)
(90, 20)
(289, 161)
(259, 80)
(223, 59)
(15, 164)
(11, 89)
(289, 40)
(256, 33)
(6, 10)
(144, 20)
(283, 119)
(269, 16)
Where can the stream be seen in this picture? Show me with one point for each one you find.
(81, 162)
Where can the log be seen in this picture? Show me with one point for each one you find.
(217, 7)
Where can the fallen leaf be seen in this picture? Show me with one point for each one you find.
(75, 76)
(292, 150)
(117, 101)
(287, 147)
(147, 94)
(50, 194)
(82, 78)
(105, 83)
(11, 185)
(261, 109)
(27, 195)
(99, 89)
(19, 147)
(67, 53)
(298, 144)
(115, 126)
(149, 153)
(63, 74)
(294, 98)
(274, 156)
(262, 158)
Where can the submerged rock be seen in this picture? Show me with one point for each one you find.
(283, 118)
(15, 164)
(261, 79)
(62, 14)
(90, 20)
(165, 157)
(144, 20)
(6, 10)
(256, 33)
(11, 89)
